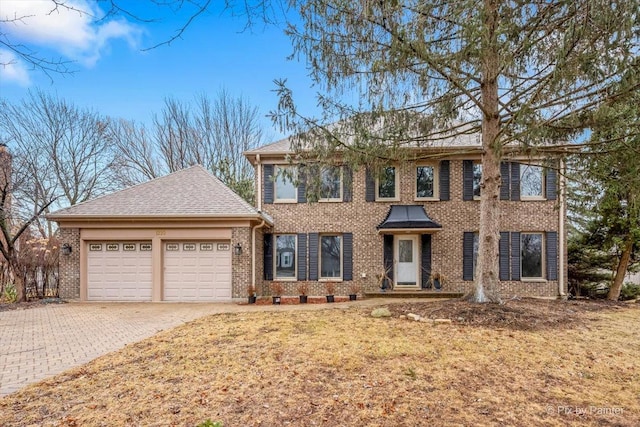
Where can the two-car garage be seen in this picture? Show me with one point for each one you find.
(192, 271)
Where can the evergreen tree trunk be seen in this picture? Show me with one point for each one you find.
(616, 286)
(486, 273)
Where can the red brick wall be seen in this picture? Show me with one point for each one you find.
(455, 216)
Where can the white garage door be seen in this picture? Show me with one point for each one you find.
(197, 271)
(119, 271)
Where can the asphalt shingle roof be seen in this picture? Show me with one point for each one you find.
(191, 192)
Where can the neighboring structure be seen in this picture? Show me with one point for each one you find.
(182, 237)
(416, 222)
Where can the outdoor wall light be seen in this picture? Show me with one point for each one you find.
(237, 249)
(66, 249)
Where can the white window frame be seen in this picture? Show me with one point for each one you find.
(543, 255)
(276, 174)
(320, 276)
(276, 257)
(333, 199)
(523, 168)
(436, 181)
(397, 187)
(474, 164)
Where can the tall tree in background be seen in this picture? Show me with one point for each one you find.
(522, 73)
(609, 189)
(213, 133)
(61, 150)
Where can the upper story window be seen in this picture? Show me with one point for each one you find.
(477, 179)
(531, 182)
(331, 257)
(387, 184)
(331, 184)
(284, 188)
(531, 257)
(285, 256)
(426, 181)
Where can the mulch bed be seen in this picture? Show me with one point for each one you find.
(5, 306)
(525, 314)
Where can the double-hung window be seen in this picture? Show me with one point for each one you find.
(477, 179)
(426, 182)
(331, 257)
(387, 184)
(531, 182)
(531, 255)
(331, 184)
(285, 256)
(285, 190)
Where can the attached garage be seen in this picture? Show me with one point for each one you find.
(197, 271)
(182, 237)
(119, 271)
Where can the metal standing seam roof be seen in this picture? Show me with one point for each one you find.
(191, 192)
(407, 216)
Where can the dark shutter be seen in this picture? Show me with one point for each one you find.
(388, 257)
(347, 256)
(552, 184)
(515, 181)
(505, 180)
(425, 259)
(515, 256)
(347, 183)
(313, 256)
(302, 256)
(444, 180)
(268, 257)
(504, 255)
(370, 186)
(302, 185)
(467, 180)
(467, 255)
(552, 255)
(267, 184)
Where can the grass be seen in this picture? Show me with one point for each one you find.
(344, 367)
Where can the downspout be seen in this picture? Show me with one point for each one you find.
(253, 252)
(561, 231)
(259, 192)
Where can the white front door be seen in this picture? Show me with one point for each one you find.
(406, 261)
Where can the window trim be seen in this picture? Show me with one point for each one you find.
(473, 165)
(341, 194)
(330, 279)
(276, 168)
(543, 260)
(275, 258)
(397, 187)
(543, 196)
(436, 181)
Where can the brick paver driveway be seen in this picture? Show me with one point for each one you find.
(40, 342)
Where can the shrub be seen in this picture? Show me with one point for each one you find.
(381, 312)
(354, 288)
(251, 290)
(10, 293)
(303, 289)
(629, 291)
(330, 287)
(210, 423)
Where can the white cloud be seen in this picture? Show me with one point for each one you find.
(12, 70)
(72, 30)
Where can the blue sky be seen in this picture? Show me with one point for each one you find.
(114, 76)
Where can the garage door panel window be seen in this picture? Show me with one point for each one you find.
(285, 259)
(532, 255)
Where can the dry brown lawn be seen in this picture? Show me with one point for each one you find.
(525, 363)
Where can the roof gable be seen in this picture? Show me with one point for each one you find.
(191, 192)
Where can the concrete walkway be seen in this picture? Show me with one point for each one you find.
(41, 342)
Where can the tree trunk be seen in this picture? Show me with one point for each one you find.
(486, 277)
(616, 286)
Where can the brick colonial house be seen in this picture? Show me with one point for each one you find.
(416, 220)
(187, 237)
